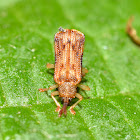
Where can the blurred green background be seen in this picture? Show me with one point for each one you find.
(111, 110)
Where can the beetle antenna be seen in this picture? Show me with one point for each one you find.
(64, 108)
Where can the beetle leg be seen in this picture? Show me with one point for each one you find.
(57, 103)
(84, 87)
(50, 66)
(50, 88)
(80, 99)
(84, 71)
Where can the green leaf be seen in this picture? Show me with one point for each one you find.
(111, 110)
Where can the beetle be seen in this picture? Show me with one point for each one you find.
(68, 71)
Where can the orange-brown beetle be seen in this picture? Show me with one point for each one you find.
(69, 46)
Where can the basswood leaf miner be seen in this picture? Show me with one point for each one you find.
(68, 71)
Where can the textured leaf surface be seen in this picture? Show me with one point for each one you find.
(111, 110)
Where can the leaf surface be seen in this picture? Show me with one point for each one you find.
(111, 110)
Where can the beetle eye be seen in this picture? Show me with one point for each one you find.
(62, 99)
